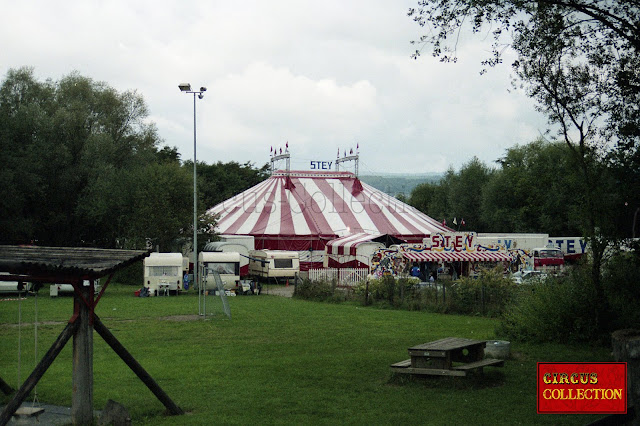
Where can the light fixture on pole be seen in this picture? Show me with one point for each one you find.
(186, 88)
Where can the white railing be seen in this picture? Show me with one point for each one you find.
(343, 276)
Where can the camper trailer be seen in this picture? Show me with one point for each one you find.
(163, 273)
(274, 263)
(225, 264)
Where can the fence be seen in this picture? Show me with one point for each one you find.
(344, 276)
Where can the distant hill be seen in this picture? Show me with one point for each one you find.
(394, 184)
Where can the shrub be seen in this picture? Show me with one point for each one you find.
(131, 275)
(621, 282)
(558, 309)
(315, 290)
(488, 294)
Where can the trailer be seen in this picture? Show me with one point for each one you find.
(224, 264)
(231, 247)
(277, 264)
(163, 273)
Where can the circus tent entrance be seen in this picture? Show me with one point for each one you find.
(304, 210)
(356, 251)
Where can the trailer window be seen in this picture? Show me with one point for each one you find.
(224, 268)
(162, 271)
(282, 263)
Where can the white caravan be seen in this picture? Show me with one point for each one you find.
(274, 263)
(225, 264)
(163, 273)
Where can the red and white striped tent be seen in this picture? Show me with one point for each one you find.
(353, 251)
(303, 210)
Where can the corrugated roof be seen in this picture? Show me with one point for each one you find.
(65, 261)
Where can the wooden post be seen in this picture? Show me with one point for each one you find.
(5, 388)
(38, 372)
(82, 393)
(626, 348)
(135, 366)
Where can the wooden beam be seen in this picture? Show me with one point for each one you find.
(38, 372)
(82, 375)
(128, 359)
(5, 388)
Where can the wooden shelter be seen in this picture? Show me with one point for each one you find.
(80, 267)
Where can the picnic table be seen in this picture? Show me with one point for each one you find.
(451, 356)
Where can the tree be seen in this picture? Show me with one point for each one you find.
(432, 198)
(578, 59)
(221, 181)
(72, 153)
(457, 195)
(534, 191)
(465, 193)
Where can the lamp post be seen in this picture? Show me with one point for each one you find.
(186, 88)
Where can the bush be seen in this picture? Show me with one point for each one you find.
(489, 294)
(562, 309)
(558, 310)
(621, 282)
(315, 290)
(131, 275)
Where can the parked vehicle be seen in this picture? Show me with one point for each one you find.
(274, 264)
(528, 277)
(11, 287)
(163, 272)
(62, 289)
(548, 259)
(225, 264)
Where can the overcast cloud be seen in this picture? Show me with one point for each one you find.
(321, 76)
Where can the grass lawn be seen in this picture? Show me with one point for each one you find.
(280, 361)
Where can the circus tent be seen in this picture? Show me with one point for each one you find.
(303, 210)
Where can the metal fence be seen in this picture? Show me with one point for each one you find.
(344, 276)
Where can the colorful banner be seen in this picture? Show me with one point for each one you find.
(570, 388)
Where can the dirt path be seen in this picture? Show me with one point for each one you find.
(278, 291)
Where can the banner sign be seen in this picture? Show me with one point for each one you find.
(581, 387)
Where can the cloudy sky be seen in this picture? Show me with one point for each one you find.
(323, 76)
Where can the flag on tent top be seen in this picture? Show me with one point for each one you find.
(455, 222)
(444, 222)
(462, 222)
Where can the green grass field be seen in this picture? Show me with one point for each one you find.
(280, 361)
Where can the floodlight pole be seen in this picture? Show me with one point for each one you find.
(186, 88)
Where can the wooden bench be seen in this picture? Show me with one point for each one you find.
(26, 412)
(402, 364)
(487, 362)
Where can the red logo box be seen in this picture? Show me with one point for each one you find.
(582, 387)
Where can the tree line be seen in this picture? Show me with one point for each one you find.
(534, 188)
(82, 166)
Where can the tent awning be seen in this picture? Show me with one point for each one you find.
(478, 256)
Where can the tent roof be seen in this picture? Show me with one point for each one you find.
(320, 204)
(478, 256)
(54, 262)
(349, 244)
